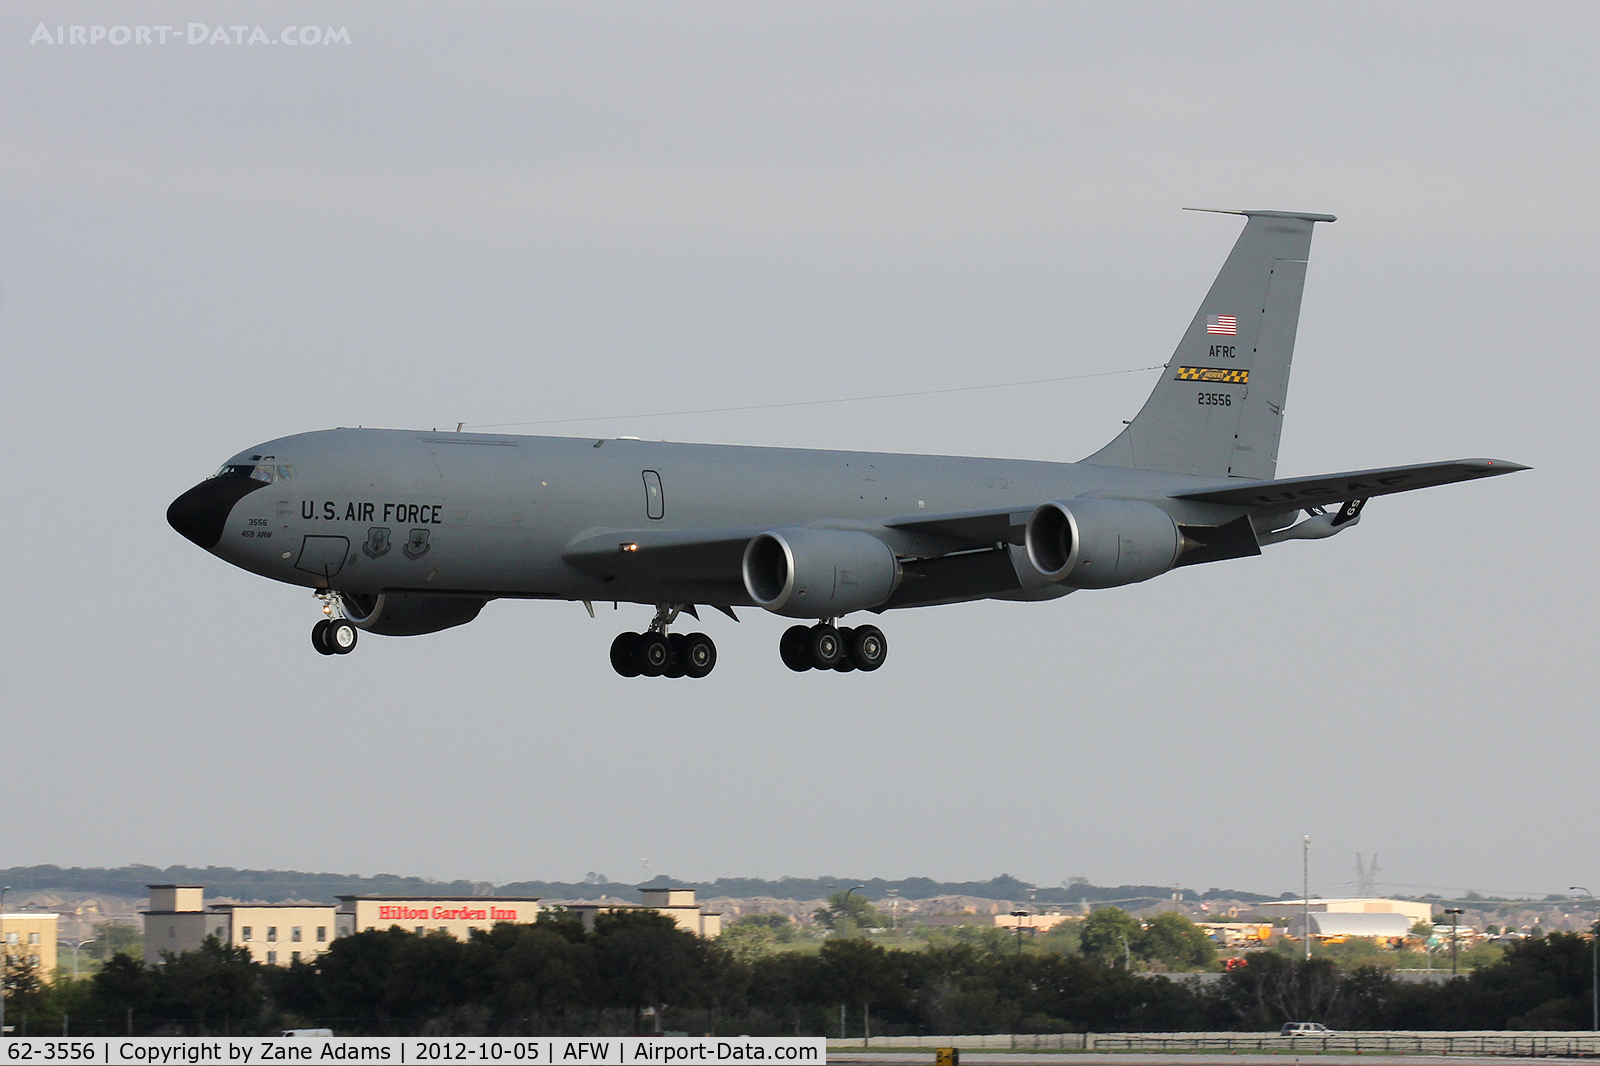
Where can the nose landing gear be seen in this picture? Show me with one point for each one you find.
(655, 653)
(822, 647)
(332, 635)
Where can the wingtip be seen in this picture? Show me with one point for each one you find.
(1495, 466)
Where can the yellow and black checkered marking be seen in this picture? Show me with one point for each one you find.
(1220, 375)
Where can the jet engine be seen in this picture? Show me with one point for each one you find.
(1092, 543)
(819, 573)
(407, 614)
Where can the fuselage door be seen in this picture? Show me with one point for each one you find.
(655, 505)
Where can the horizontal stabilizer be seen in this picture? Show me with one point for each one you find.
(1351, 485)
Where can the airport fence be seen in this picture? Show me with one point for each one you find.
(1371, 1042)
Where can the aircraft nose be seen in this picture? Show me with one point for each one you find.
(201, 513)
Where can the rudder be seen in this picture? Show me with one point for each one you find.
(1218, 408)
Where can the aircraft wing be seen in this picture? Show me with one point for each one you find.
(1350, 485)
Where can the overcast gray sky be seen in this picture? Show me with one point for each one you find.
(513, 213)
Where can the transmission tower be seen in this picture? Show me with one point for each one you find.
(1367, 875)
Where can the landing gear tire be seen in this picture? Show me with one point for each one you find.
(341, 636)
(677, 666)
(319, 638)
(698, 654)
(655, 654)
(824, 646)
(792, 648)
(625, 654)
(868, 647)
(846, 663)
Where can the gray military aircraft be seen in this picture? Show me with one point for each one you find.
(403, 532)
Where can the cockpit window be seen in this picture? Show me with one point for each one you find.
(269, 474)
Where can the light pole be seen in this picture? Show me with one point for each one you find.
(1455, 944)
(77, 949)
(1305, 873)
(1594, 951)
(1019, 915)
(894, 905)
(845, 903)
(5, 957)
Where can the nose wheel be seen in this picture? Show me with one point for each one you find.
(823, 647)
(334, 636)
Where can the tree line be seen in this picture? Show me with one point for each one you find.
(277, 885)
(638, 972)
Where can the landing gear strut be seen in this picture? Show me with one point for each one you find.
(333, 635)
(656, 653)
(823, 647)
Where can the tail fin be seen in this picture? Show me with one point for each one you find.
(1218, 408)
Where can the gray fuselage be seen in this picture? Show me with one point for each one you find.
(367, 511)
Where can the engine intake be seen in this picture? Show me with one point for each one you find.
(1092, 543)
(818, 573)
(407, 614)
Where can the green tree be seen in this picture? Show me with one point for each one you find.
(122, 988)
(111, 938)
(645, 959)
(545, 970)
(863, 974)
(847, 913)
(217, 987)
(388, 981)
(1174, 941)
(754, 935)
(25, 993)
(1109, 935)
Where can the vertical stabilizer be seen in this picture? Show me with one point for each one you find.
(1218, 408)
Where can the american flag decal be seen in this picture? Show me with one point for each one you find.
(1223, 325)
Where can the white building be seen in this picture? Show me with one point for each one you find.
(1289, 908)
(1326, 924)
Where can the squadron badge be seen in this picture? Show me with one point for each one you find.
(377, 545)
(417, 546)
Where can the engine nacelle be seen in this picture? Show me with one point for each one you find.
(408, 615)
(819, 573)
(1092, 543)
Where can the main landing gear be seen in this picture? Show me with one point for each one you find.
(824, 647)
(656, 653)
(332, 635)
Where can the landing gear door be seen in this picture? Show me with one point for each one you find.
(323, 556)
(655, 505)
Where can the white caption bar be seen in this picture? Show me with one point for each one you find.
(546, 1051)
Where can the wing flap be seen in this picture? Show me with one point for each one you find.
(1350, 485)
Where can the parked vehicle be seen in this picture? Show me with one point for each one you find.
(1303, 1029)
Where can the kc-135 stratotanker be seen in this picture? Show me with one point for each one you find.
(406, 532)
